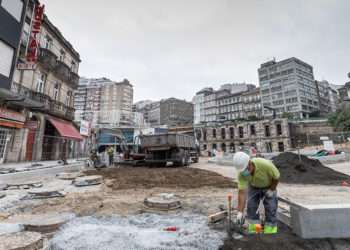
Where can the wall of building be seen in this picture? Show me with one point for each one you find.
(245, 134)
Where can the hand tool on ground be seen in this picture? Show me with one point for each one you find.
(234, 229)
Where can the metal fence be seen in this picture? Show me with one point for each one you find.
(304, 140)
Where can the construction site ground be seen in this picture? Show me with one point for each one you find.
(202, 188)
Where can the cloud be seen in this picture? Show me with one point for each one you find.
(174, 48)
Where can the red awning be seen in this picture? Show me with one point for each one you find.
(65, 128)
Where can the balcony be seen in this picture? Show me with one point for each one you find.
(47, 59)
(74, 79)
(51, 106)
(62, 71)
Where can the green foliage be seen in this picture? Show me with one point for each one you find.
(341, 120)
(287, 115)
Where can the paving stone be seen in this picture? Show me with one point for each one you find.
(69, 175)
(164, 201)
(88, 180)
(42, 223)
(22, 241)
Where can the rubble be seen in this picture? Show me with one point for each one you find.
(138, 232)
(308, 171)
(23, 185)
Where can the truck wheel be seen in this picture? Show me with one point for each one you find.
(183, 161)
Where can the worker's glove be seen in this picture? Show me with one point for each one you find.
(270, 193)
(240, 218)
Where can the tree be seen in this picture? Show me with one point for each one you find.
(340, 120)
(287, 115)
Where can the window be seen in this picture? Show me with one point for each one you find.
(68, 98)
(232, 148)
(214, 133)
(268, 147)
(56, 91)
(40, 83)
(48, 43)
(232, 133)
(14, 7)
(267, 131)
(62, 56)
(6, 53)
(223, 147)
(241, 132)
(214, 146)
(252, 130)
(204, 146)
(279, 129)
(281, 147)
(73, 67)
(223, 133)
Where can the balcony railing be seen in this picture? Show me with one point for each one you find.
(47, 59)
(74, 79)
(62, 71)
(51, 106)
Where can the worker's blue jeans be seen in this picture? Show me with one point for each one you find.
(255, 195)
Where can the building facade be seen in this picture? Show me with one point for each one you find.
(288, 86)
(229, 102)
(327, 98)
(12, 117)
(44, 81)
(103, 102)
(169, 112)
(263, 135)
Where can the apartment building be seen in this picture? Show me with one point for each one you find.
(170, 112)
(288, 86)
(229, 102)
(44, 80)
(104, 102)
(327, 96)
(11, 116)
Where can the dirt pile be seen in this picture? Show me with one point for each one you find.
(145, 178)
(286, 240)
(308, 171)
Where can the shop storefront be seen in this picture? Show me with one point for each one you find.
(11, 124)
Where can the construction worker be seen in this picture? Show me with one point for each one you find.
(258, 178)
(110, 152)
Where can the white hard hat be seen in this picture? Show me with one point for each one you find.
(240, 160)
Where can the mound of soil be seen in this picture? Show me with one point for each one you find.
(284, 239)
(308, 171)
(142, 177)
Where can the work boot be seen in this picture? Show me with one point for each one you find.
(268, 229)
(254, 228)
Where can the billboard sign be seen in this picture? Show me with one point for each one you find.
(85, 128)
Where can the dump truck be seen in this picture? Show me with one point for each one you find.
(167, 148)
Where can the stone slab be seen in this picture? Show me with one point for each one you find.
(43, 194)
(88, 180)
(321, 221)
(69, 175)
(163, 201)
(22, 241)
(42, 223)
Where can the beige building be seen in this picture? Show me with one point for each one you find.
(47, 89)
(104, 102)
(264, 135)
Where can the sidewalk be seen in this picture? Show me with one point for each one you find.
(34, 165)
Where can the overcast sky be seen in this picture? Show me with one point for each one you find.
(173, 48)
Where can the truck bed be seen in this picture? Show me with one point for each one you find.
(167, 141)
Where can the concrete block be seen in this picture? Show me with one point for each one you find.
(321, 221)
